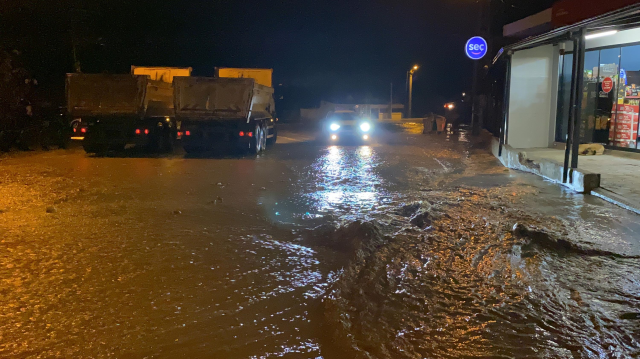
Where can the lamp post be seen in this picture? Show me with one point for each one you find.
(410, 74)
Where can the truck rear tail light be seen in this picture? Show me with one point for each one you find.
(187, 133)
(241, 134)
(75, 130)
(146, 131)
(250, 134)
(83, 130)
(179, 134)
(137, 131)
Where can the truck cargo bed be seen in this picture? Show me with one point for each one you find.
(105, 95)
(204, 98)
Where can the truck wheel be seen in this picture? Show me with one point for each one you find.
(263, 137)
(272, 141)
(255, 145)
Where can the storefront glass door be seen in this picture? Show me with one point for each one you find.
(610, 97)
(589, 96)
(607, 93)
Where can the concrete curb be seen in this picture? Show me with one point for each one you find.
(616, 199)
(579, 180)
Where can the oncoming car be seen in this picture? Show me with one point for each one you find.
(347, 125)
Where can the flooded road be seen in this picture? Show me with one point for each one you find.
(412, 247)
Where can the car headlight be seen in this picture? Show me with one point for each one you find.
(334, 127)
(365, 127)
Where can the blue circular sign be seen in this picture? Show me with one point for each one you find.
(476, 48)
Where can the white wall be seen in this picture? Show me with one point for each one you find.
(533, 87)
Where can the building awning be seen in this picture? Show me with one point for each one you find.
(564, 33)
(569, 12)
(529, 26)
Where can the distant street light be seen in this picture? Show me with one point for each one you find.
(410, 74)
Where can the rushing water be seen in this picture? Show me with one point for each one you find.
(417, 247)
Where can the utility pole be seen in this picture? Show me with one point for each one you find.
(410, 93)
(391, 102)
(406, 90)
(478, 104)
(475, 122)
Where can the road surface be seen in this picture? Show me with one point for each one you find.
(414, 246)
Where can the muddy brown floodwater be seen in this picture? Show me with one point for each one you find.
(410, 247)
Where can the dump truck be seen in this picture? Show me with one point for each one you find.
(113, 111)
(262, 76)
(224, 112)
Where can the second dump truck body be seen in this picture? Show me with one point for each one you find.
(219, 111)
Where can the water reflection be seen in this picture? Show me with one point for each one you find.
(365, 151)
(459, 135)
(345, 180)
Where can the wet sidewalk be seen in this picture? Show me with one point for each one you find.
(619, 172)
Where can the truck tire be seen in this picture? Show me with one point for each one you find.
(263, 137)
(256, 145)
(272, 141)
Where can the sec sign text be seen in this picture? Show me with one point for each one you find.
(476, 48)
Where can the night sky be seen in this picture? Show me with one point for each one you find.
(336, 50)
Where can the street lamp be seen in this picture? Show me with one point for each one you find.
(410, 74)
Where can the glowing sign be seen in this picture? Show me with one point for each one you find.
(476, 48)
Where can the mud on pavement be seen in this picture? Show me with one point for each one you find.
(464, 274)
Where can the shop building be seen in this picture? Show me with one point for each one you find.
(578, 82)
(572, 85)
